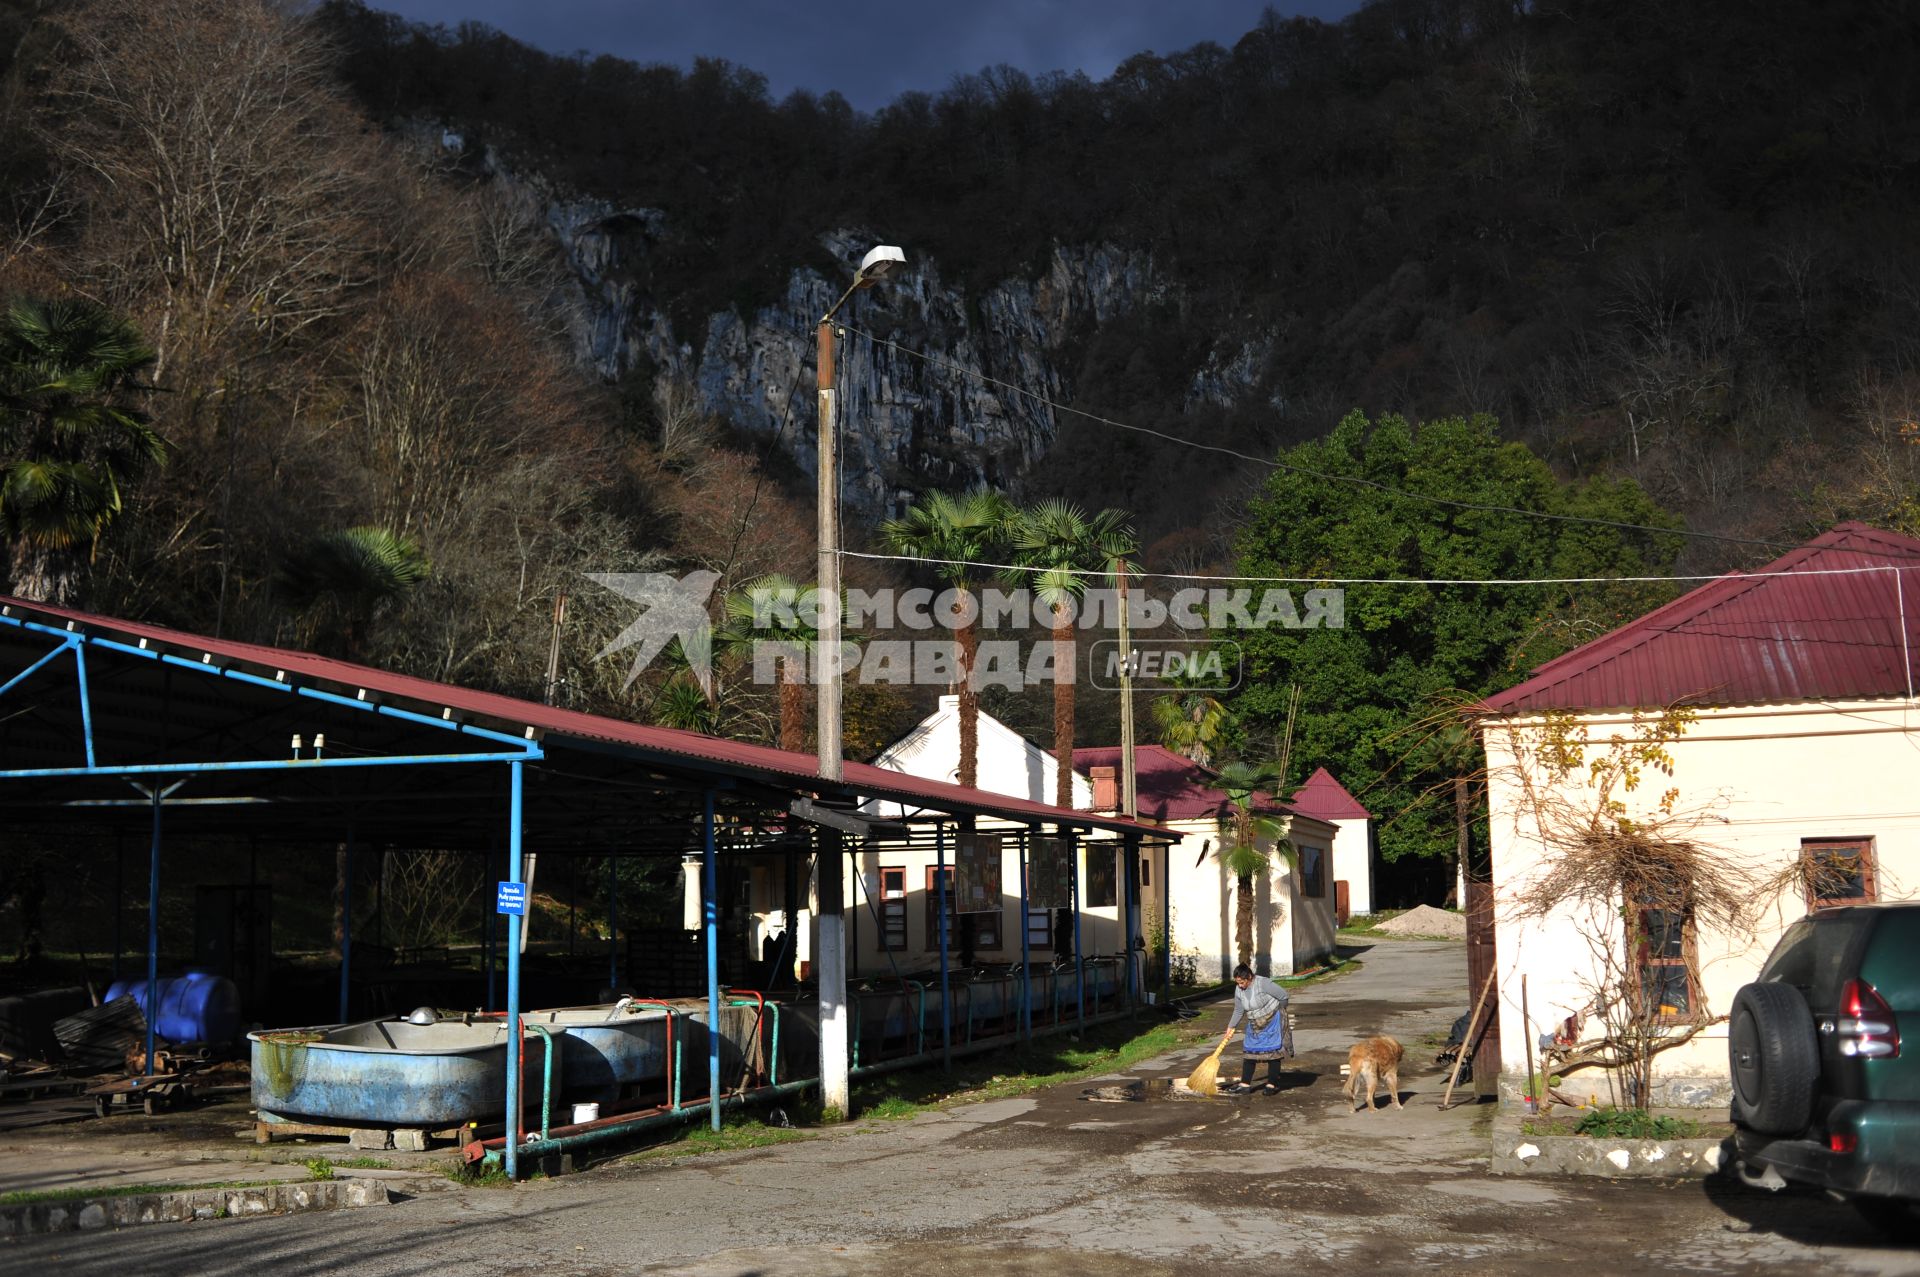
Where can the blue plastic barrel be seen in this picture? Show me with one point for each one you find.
(196, 1007)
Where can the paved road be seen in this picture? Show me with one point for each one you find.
(1059, 1185)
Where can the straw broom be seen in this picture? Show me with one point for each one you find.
(1207, 1072)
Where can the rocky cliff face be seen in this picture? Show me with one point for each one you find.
(908, 423)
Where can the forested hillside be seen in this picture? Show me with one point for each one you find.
(1676, 242)
(371, 439)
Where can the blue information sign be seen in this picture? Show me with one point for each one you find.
(513, 898)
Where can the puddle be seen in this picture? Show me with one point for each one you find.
(1152, 1088)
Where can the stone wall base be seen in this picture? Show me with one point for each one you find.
(1669, 1092)
(1517, 1153)
(83, 1214)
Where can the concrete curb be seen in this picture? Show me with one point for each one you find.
(91, 1214)
(1516, 1153)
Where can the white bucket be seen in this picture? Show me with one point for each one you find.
(585, 1113)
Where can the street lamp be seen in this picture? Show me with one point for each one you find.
(877, 265)
(830, 941)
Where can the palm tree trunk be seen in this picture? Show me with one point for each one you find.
(793, 707)
(969, 644)
(44, 576)
(1064, 674)
(1243, 919)
(1462, 813)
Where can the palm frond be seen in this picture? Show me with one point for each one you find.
(354, 568)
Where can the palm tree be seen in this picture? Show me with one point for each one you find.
(71, 436)
(1245, 827)
(681, 702)
(1190, 718)
(1059, 545)
(772, 609)
(957, 532)
(346, 577)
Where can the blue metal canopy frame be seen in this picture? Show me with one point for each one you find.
(140, 750)
(494, 748)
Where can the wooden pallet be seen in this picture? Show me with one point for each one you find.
(40, 1084)
(151, 1095)
(405, 1139)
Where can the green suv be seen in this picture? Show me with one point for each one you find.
(1823, 1093)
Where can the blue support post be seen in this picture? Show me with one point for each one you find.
(153, 931)
(346, 932)
(613, 925)
(1166, 921)
(489, 938)
(1079, 953)
(710, 916)
(1026, 952)
(1130, 889)
(940, 911)
(514, 1133)
(86, 701)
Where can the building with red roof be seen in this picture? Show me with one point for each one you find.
(1325, 798)
(1766, 717)
(1193, 895)
(1183, 884)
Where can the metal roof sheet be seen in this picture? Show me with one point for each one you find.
(1827, 632)
(661, 743)
(1169, 786)
(1325, 798)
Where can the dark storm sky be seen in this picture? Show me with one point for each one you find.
(870, 50)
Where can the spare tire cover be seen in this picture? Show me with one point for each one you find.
(1774, 1057)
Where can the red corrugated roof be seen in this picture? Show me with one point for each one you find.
(1325, 798)
(1755, 639)
(665, 742)
(1167, 785)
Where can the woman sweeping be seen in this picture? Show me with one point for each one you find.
(1263, 1005)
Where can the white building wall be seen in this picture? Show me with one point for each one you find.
(1290, 930)
(1101, 932)
(1353, 863)
(1764, 778)
(1005, 762)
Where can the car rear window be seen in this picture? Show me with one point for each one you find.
(1813, 955)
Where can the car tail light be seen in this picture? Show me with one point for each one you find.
(1866, 1026)
(1839, 1142)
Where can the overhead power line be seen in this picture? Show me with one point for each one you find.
(1271, 463)
(1387, 580)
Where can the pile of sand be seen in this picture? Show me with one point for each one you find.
(1427, 921)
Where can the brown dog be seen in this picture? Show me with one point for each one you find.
(1376, 1060)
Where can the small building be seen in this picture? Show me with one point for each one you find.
(1293, 912)
(895, 924)
(1326, 799)
(1759, 729)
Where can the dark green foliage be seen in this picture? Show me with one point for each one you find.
(72, 434)
(1376, 693)
(356, 568)
(1635, 1124)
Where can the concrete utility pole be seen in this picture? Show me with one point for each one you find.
(874, 267)
(831, 956)
(827, 573)
(1129, 792)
